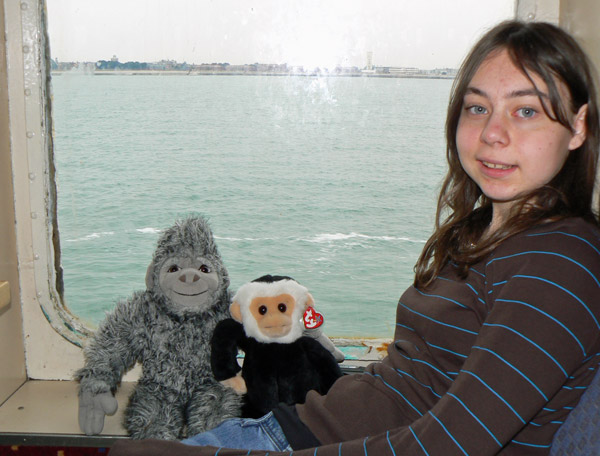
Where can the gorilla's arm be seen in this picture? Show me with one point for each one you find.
(112, 351)
(115, 347)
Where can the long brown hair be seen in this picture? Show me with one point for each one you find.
(463, 211)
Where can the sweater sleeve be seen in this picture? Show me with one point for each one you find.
(543, 299)
(530, 362)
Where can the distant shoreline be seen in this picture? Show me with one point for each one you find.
(243, 73)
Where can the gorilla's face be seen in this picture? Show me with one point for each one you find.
(189, 282)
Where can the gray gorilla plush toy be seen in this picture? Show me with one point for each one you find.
(167, 328)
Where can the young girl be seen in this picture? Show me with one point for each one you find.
(500, 335)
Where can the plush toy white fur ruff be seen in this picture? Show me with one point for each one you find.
(269, 289)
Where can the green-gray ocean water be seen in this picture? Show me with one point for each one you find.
(332, 181)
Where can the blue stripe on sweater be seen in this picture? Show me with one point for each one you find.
(540, 252)
(396, 391)
(390, 443)
(495, 393)
(441, 297)
(449, 434)
(418, 441)
(565, 290)
(571, 388)
(476, 419)
(550, 422)
(408, 342)
(513, 368)
(567, 234)
(477, 272)
(547, 409)
(558, 322)
(531, 342)
(430, 365)
(437, 321)
(404, 326)
(530, 444)
(402, 373)
(446, 350)
(471, 287)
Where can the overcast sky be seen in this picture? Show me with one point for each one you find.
(413, 33)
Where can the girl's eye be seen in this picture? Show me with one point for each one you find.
(476, 109)
(526, 112)
(173, 268)
(204, 269)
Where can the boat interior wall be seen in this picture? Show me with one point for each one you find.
(578, 17)
(538, 10)
(581, 19)
(12, 354)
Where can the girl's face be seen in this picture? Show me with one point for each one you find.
(506, 142)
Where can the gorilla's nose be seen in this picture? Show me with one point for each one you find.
(189, 277)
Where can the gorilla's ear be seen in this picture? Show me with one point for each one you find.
(235, 311)
(150, 277)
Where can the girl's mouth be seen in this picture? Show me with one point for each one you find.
(496, 165)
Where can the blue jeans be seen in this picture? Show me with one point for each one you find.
(244, 433)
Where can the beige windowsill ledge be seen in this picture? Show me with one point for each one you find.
(4, 294)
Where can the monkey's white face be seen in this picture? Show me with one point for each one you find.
(190, 283)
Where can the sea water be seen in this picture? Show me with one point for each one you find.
(332, 181)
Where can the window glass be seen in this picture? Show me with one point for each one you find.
(309, 133)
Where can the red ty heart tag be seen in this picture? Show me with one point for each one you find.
(312, 318)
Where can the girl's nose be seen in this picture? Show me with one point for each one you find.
(495, 130)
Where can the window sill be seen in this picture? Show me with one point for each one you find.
(4, 294)
(44, 412)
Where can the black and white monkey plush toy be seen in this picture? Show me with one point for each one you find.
(167, 328)
(280, 363)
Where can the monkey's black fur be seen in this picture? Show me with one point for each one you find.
(273, 372)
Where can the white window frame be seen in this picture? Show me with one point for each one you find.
(53, 335)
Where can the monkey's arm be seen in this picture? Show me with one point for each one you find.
(318, 335)
(228, 336)
(323, 362)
